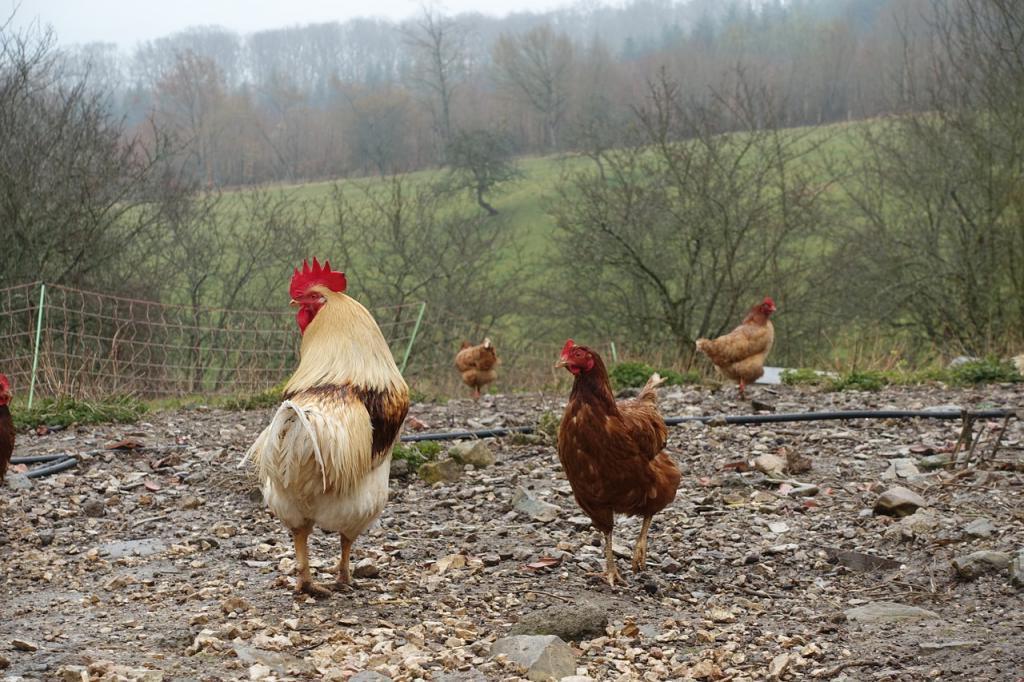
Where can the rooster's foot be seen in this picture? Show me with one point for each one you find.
(312, 589)
(345, 586)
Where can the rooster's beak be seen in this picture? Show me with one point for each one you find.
(293, 303)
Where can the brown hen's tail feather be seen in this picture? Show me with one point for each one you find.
(647, 392)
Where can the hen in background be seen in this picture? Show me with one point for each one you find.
(612, 452)
(741, 353)
(477, 365)
(324, 459)
(6, 426)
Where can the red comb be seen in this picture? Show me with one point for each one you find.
(567, 347)
(311, 276)
(769, 301)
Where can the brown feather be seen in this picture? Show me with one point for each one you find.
(6, 440)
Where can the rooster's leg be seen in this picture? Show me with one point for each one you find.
(640, 551)
(344, 578)
(305, 583)
(611, 573)
(743, 393)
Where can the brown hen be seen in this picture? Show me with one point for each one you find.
(612, 452)
(741, 353)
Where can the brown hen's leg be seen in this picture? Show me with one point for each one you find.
(344, 577)
(640, 551)
(304, 582)
(611, 573)
(743, 393)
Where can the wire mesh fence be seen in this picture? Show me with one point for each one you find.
(85, 343)
(89, 344)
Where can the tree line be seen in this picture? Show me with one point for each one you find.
(686, 204)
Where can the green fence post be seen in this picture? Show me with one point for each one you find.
(39, 335)
(412, 339)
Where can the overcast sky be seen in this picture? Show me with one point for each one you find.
(127, 22)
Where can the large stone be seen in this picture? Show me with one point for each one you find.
(447, 471)
(19, 482)
(770, 464)
(936, 461)
(980, 528)
(473, 452)
(524, 502)
(1017, 570)
(574, 622)
(888, 612)
(543, 656)
(399, 468)
(899, 501)
(978, 563)
(369, 676)
(901, 467)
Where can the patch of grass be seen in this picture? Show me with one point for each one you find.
(65, 410)
(859, 380)
(271, 397)
(803, 377)
(636, 374)
(988, 371)
(548, 425)
(417, 454)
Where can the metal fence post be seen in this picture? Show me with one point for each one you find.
(412, 339)
(615, 353)
(39, 335)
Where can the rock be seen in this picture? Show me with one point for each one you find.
(279, 662)
(400, 468)
(778, 666)
(446, 471)
(899, 501)
(937, 461)
(71, 673)
(901, 467)
(234, 604)
(473, 452)
(961, 360)
(365, 568)
(543, 656)
(770, 464)
(258, 671)
(798, 464)
(524, 502)
(471, 675)
(1018, 363)
(123, 672)
(4, 662)
(94, 507)
(705, 670)
(980, 528)
(1017, 570)
(24, 645)
(369, 676)
(569, 622)
(190, 502)
(888, 612)
(19, 482)
(973, 565)
(580, 522)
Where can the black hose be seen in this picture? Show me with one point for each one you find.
(741, 419)
(843, 414)
(35, 459)
(52, 468)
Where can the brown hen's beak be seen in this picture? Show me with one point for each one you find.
(293, 303)
(562, 362)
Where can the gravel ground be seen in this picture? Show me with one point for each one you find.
(157, 562)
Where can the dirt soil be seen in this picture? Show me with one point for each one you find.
(160, 557)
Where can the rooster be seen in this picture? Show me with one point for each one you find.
(6, 427)
(477, 365)
(740, 354)
(324, 459)
(612, 452)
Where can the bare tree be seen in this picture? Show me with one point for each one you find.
(941, 196)
(673, 238)
(537, 65)
(74, 188)
(438, 45)
(480, 161)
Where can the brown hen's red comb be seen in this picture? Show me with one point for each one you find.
(567, 347)
(312, 276)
